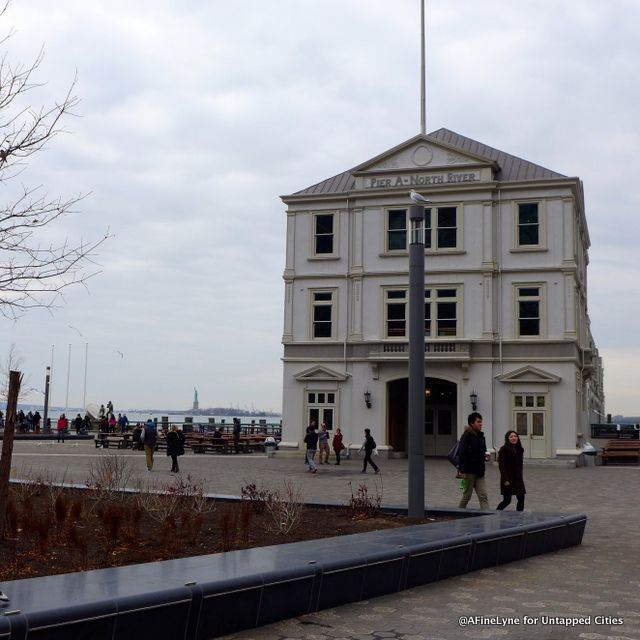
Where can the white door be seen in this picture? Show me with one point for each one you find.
(530, 423)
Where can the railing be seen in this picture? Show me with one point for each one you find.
(616, 431)
(441, 350)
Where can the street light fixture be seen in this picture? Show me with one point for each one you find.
(47, 380)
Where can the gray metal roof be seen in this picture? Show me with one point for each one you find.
(511, 168)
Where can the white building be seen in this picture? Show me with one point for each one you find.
(505, 300)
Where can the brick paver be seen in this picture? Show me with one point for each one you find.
(599, 578)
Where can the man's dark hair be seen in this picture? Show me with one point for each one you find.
(472, 417)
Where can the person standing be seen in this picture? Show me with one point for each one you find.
(175, 447)
(77, 424)
(337, 444)
(237, 430)
(63, 423)
(369, 445)
(473, 455)
(323, 444)
(36, 421)
(149, 437)
(311, 440)
(510, 459)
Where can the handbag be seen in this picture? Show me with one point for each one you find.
(454, 455)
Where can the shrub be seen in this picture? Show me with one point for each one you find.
(362, 505)
(284, 508)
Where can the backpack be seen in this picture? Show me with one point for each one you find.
(454, 454)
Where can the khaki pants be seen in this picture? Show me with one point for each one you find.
(148, 452)
(480, 486)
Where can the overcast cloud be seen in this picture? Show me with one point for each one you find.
(196, 115)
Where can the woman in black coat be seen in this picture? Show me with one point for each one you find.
(510, 462)
(175, 447)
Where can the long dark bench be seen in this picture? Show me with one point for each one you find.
(628, 450)
(214, 595)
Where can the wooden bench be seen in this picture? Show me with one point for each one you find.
(622, 449)
(120, 440)
(215, 445)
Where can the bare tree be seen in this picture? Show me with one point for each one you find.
(33, 271)
(15, 380)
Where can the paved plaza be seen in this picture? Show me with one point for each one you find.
(598, 581)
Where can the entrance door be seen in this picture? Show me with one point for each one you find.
(439, 416)
(439, 430)
(530, 423)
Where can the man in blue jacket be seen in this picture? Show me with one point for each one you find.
(473, 455)
(149, 437)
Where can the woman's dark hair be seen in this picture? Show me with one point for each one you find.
(518, 444)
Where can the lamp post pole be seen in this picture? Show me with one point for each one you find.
(416, 504)
(47, 379)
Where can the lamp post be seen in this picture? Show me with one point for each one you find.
(47, 379)
(416, 360)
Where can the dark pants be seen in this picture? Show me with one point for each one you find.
(506, 501)
(337, 456)
(367, 458)
(60, 435)
(174, 462)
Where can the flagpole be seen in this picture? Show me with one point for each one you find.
(423, 96)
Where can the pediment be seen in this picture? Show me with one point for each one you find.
(319, 373)
(421, 153)
(529, 374)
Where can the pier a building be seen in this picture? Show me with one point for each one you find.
(506, 327)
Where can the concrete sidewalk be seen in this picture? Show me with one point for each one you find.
(540, 596)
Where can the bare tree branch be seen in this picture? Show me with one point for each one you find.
(33, 272)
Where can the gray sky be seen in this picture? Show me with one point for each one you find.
(198, 114)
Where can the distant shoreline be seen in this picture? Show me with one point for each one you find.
(217, 411)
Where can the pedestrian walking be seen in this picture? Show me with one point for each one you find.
(369, 446)
(323, 444)
(175, 447)
(510, 459)
(149, 438)
(312, 425)
(311, 440)
(473, 455)
(337, 444)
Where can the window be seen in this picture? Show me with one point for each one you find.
(528, 299)
(441, 312)
(396, 313)
(440, 229)
(397, 230)
(322, 310)
(323, 234)
(321, 407)
(444, 235)
(529, 229)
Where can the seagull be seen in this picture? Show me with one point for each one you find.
(76, 329)
(417, 198)
(119, 353)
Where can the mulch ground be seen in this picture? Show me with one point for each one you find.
(51, 530)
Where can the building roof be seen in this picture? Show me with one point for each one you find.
(510, 167)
